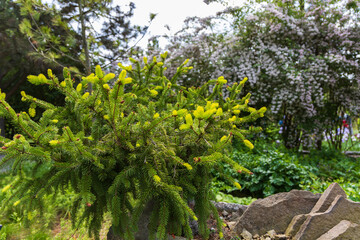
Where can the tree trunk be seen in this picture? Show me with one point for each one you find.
(2, 127)
(84, 39)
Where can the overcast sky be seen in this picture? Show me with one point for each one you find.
(171, 13)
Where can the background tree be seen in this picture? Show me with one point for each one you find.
(16, 61)
(79, 31)
(36, 36)
(301, 62)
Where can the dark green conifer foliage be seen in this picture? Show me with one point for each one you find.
(144, 139)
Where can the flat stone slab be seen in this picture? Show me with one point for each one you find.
(275, 212)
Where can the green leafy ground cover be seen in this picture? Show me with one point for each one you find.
(276, 169)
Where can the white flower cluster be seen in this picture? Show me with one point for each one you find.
(303, 65)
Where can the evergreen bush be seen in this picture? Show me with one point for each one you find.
(120, 145)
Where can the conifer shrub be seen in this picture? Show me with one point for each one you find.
(142, 138)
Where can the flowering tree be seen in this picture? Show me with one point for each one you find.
(302, 62)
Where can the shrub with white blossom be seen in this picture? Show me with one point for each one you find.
(301, 63)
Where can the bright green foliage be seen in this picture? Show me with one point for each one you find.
(273, 172)
(143, 139)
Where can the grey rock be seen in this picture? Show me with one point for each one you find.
(343, 230)
(231, 225)
(241, 210)
(317, 224)
(235, 216)
(295, 224)
(246, 235)
(280, 237)
(229, 207)
(144, 220)
(194, 226)
(271, 233)
(328, 197)
(276, 211)
(224, 213)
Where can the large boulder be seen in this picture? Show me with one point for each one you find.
(322, 205)
(275, 212)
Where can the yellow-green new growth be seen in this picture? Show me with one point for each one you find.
(182, 112)
(156, 115)
(32, 112)
(157, 178)
(221, 80)
(86, 95)
(127, 68)
(79, 87)
(164, 55)
(188, 166)
(232, 119)
(153, 93)
(236, 184)
(98, 72)
(123, 79)
(219, 112)
(224, 138)
(54, 142)
(108, 77)
(106, 86)
(7, 187)
(199, 112)
(184, 126)
(50, 73)
(248, 144)
(188, 119)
